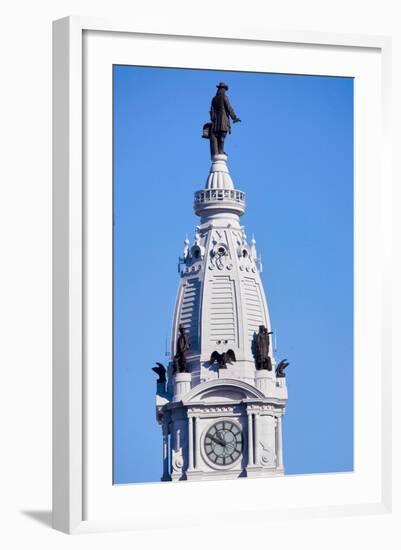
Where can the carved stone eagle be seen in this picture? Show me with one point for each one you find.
(222, 358)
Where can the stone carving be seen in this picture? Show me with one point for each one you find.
(267, 455)
(179, 360)
(178, 462)
(280, 368)
(263, 361)
(219, 256)
(222, 358)
(160, 370)
(220, 114)
(218, 409)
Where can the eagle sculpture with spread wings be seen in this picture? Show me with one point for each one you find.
(222, 358)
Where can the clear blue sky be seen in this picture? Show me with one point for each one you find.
(293, 156)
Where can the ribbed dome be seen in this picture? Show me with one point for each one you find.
(219, 177)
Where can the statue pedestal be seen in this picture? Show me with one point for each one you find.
(264, 381)
(281, 382)
(219, 177)
(182, 385)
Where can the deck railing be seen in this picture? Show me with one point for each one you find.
(212, 195)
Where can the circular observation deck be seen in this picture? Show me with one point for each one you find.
(209, 201)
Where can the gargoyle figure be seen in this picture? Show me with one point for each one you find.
(160, 370)
(280, 368)
(222, 358)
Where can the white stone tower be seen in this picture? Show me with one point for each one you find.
(221, 421)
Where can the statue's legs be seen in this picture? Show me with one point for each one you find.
(266, 364)
(214, 147)
(183, 365)
(221, 136)
(217, 143)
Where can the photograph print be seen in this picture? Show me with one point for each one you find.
(232, 274)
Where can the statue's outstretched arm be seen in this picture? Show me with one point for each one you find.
(230, 110)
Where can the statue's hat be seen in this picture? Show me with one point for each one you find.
(222, 85)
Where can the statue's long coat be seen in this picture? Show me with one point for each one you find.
(262, 347)
(220, 113)
(182, 344)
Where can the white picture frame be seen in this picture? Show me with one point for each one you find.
(83, 496)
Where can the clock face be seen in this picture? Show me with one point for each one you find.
(223, 443)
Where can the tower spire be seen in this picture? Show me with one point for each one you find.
(222, 382)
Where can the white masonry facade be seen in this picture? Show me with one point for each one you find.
(221, 422)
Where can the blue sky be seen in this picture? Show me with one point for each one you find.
(293, 156)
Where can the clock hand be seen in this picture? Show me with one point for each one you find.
(218, 440)
(221, 437)
(221, 441)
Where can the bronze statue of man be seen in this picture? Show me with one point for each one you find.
(220, 114)
(180, 361)
(263, 361)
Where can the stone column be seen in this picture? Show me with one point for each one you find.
(279, 444)
(263, 380)
(182, 385)
(166, 474)
(256, 442)
(190, 443)
(197, 443)
(250, 439)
